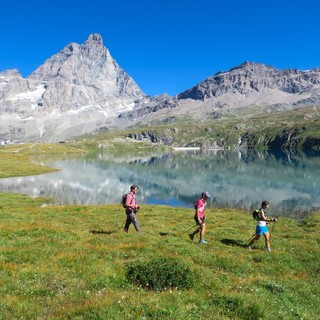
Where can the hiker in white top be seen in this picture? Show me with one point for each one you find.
(261, 228)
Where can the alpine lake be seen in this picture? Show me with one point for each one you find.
(235, 179)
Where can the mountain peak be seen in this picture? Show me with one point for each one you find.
(95, 38)
(252, 79)
(252, 66)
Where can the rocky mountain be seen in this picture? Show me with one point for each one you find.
(82, 89)
(248, 88)
(78, 90)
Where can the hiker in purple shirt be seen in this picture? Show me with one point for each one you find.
(131, 209)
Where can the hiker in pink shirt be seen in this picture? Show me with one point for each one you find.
(199, 217)
(132, 208)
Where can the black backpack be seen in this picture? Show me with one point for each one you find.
(123, 200)
(255, 214)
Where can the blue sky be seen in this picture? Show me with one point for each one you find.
(166, 46)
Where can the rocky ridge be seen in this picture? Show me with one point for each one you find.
(82, 90)
(250, 86)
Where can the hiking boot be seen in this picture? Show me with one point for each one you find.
(203, 242)
(269, 249)
(191, 236)
(249, 248)
(125, 230)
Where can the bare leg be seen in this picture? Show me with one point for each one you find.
(267, 240)
(202, 231)
(256, 238)
(191, 235)
(195, 232)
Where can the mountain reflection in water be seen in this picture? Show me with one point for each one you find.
(234, 179)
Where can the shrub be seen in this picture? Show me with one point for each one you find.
(160, 274)
(238, 308)
(274, 288)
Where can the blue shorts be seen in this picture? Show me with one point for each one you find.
(261, 230)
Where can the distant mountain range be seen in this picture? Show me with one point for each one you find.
(82, 90)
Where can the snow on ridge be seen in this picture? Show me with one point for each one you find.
(54, 113)
(90, 108)
(83, 109)
(127, 107)
(24, 119)
(33, 96)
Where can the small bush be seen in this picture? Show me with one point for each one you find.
(160, 274)
(274, 288)
(238, 308)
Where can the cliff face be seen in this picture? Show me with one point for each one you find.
(78, 90)
(85, 75)
(252, 78)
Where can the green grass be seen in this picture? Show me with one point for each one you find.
(69, 262)
(25, 159)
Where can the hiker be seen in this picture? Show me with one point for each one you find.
(199, 217)
(261, 228)
(131, 209)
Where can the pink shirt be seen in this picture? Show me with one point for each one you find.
(130, 201)
(201, 204)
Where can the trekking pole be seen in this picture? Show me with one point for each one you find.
(122, 225)
(250, 238)
(189, 229)
(274, 222)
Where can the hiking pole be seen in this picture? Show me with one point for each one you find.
(250, 238)
(189, 229)
(274, 222)
(122, 225)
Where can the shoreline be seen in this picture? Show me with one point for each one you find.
(185, 148)
(196, 148)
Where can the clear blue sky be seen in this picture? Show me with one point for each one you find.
(166, 46)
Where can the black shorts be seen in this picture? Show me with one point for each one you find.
(201, 219)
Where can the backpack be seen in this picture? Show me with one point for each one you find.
(255, 214)
(123, 200)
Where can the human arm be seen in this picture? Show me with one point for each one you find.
(198, 216)
(264, 217)
(131, 203)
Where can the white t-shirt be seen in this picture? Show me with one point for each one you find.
(260, 222)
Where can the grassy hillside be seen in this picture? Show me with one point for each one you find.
(70, 262)
(295, 129)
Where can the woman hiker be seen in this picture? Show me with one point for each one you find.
(261, 228)
(199, 217)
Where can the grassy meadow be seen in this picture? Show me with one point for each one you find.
(17, 160)
(69, 262)
(72, 262)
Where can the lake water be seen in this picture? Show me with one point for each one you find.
(291, 183)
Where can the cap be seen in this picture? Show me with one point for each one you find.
(206, 194)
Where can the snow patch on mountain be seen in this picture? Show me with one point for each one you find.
(32, 96)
